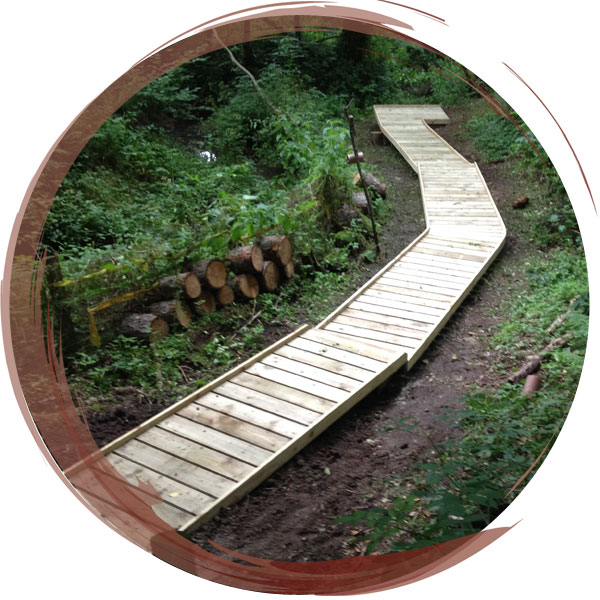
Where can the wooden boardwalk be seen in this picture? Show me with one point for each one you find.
(214, 446)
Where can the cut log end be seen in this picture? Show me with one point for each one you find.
(248, 259)
(206, 303)
(186, 283)
(246, 285)
(269, 278)
(211, 273)
(277, 248)
(146, 327)
(172, 310)
(225, 295)
(289, 270)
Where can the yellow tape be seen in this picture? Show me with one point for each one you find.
(94, 336)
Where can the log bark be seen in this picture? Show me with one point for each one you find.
(277, 248)
(206, 303)
(289, 270)
(146, 327)
(225, 295)
(372, 182)
(269, 278)
(186, 283)
(172, 310)
(248, 259)
(535, 361)
(246, 286)
(211, 272)
(359, 200)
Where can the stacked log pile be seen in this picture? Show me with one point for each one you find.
(207, 285)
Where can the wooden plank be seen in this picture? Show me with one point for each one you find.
(373, 279)
(373, 334)
(399, 301)
(438, 299)
(423, 259)
(373, 351)
(175, 468)
(177, 494)
(450, 254)
(350, 358)
(416, 296)
(416, 312)
(94, 478)
(251, 415)
(195, 453)
(452, 247)
(463, 263)
(295, 445)
(311, 372)
(277, 406)
(283, 392)
(216, 440)
(458, 243)
(318, 360)
(401, 332)
(236, 428)
(297, 382)
(408, 318)
(442, 283)
(191, 397)
(409, 267)
(420, 281)
(411, 329)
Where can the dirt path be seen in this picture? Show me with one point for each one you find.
(289, 517)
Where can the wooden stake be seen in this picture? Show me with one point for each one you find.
(364, 186)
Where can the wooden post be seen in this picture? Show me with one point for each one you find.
(363, 183)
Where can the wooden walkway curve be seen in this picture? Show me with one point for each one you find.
(215, 445)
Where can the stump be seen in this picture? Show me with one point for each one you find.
(277, 248)
(246, 286)
(269, 278)
(172, 310)
(146, 327)
(186, 283)
(248, 259)
(225, 295)
(211, 272)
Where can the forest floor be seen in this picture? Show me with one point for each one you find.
(353, 464)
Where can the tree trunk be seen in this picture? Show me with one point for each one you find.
(248, 259)
(225, 295)
(277, 248)
(246, 286)
(172, 310)
(206, 303)
(269, 278)
(147, 327)
(188, 283)
(211, 272)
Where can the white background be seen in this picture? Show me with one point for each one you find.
(57, 56)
